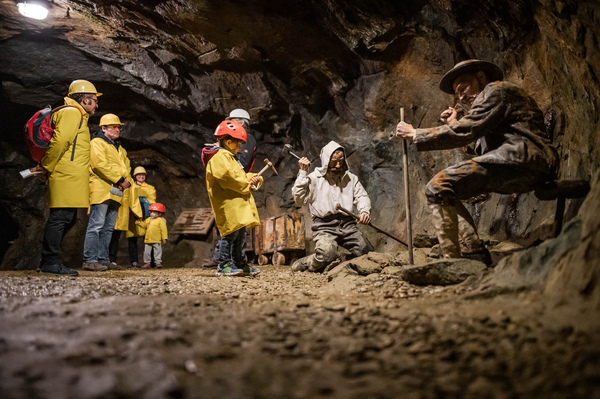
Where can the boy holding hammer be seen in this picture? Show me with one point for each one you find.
(232, 202)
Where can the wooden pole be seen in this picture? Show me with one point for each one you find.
(407, 196)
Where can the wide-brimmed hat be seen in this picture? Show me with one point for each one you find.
(492, 71)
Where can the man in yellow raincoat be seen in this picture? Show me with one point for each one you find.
(108, 179)
(67, 162)
(232, 202)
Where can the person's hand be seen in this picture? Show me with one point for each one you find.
(125, 184)
(448, 117)
(39, 172)
(365, 218)
(254, 182)
(405, 131)
(304, 164)
(164, 241)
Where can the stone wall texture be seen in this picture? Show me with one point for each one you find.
(308, 71)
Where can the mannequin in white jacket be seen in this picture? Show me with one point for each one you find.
(322, 189)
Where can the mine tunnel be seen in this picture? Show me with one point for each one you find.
(399, 321)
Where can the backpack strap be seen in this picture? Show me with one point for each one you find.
(71, 106)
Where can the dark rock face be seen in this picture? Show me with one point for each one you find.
(308, 72)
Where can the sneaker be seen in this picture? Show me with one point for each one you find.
(146, 266)
(135, 265)
(229, 271)
(58, 269)
(250, 271)
(94, 267)
(114, 266)
(159, 265)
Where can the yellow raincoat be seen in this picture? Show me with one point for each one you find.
(129, 201)
(107, 167)
(229, 192)
(135, 192)
(156, 230)
(67, 159)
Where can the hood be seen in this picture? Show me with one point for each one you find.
(208, 153)
(325, 156)
(101, 135)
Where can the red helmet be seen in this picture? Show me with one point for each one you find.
(157, 206)
(229, 127)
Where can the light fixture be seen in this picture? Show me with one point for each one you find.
(35, 9)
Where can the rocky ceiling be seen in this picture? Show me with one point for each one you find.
(308, 71)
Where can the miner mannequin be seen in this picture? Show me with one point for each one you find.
(322, 189)
(504, 127)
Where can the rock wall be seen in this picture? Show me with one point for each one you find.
(308, 72)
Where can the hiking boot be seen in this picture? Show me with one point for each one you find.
(229, 270)
(94, 267)
(159, 265)
(250, 271)
(482, 255)
(58, 269)
(146, 266)
(114, 266)
(135, 265)
(302, 264)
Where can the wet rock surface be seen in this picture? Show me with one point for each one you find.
(184, 333)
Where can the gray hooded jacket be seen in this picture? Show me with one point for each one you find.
(322, 192)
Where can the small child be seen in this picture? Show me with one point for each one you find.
(232, 202)
(156, 233)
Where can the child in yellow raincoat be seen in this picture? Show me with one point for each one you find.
(156, 234)
(229, 191)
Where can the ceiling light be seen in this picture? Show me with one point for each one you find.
(33, 9)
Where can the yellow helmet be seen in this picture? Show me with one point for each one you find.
(110, 119)
(83, 86)
(138, 170)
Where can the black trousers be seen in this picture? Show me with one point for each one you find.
(133, 249)
(59, 222)
(113, 246)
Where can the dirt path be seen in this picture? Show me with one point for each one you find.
(183, 333)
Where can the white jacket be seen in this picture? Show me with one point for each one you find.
(321, 192)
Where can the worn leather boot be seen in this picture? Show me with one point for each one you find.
(445, 220)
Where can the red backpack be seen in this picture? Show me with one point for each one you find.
(39, 130)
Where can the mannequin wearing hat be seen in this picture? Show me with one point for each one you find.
(505, 129)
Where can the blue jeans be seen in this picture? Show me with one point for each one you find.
(99, 231)
(231, 249)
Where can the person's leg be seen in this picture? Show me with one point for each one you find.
(352, 239)
(226, 265)
(157, 254)
(147, 256)
(132, 243)
(466, 180)
(60, 220)
(326, 251)
(113, 247)
(92, 234)
(237, 248)
(106, 231)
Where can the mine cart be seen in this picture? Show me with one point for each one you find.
(279, 240)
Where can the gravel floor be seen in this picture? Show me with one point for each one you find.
(184, 333)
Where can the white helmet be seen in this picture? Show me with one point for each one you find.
(239, 113)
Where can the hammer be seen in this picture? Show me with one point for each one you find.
(268, 165)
